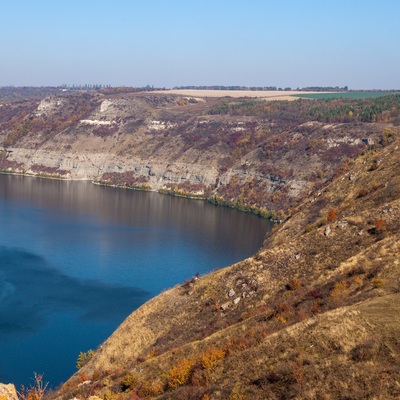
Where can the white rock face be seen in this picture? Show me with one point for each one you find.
(336, 142)
(159, 125)
(91, 165)
(105, 105)
(49, 104)
(95, 122)
(8, 392)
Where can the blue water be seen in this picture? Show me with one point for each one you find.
(76, 259)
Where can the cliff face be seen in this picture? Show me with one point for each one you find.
(314, 314)
(249, 154)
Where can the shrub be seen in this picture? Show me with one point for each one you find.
(179, 374)
(364, 351)
(153, 353)
(315, 293)
(374, 165)
(315, 308)
(332, 216)
(378, 229)
(150, 389)
(388, 136)
(379, 225)
(358, 270)
(281, 307)
(35, 391)
(211, 357)
(83, 358)
(129, 381)
(309, 228)
(282, 319)
(200, 377)
(362, 193)
(339, 292)
(374, 271)
(236, 393)
(377, 283)
(293, 284)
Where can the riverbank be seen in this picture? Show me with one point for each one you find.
(213, 199)
(258, 157)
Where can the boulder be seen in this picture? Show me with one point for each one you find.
(225, 306)
(8, 392)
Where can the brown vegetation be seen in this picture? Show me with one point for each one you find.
(259, 156)
(314, 314)
(310, 316)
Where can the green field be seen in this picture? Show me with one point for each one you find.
(345, 95)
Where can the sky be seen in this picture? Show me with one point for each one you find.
(168, 43)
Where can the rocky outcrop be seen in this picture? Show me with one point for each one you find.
(91, 166)
(8, 392)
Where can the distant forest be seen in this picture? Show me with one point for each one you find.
(266, 88)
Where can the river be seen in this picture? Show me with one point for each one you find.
(76, 259)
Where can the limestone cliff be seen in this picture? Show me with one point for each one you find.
(254, 155)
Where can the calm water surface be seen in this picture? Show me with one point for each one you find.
(76, 259)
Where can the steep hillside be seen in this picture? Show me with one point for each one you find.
(259, 156)
(313, 315)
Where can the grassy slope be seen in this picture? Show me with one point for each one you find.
(317, 315)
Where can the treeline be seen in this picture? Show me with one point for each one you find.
(324, 89)
(127, 89)
(84, 87)
(15, 94)
(380, 109)
(108, 89)
(266, 88)
(221, 87)
(23, 93)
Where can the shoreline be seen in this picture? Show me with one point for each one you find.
(215, 199)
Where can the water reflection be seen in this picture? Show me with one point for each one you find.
(137, 208)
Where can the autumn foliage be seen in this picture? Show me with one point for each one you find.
(332, 216)
(379, 225)
(211, 357)
(179, 374)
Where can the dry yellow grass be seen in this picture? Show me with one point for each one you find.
(270, 95)
(327, 335)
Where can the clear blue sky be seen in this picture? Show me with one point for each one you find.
(170, 43)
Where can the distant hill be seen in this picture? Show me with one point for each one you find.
(14, 94)
(259, 156)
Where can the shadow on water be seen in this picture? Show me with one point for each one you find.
(31, 289)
